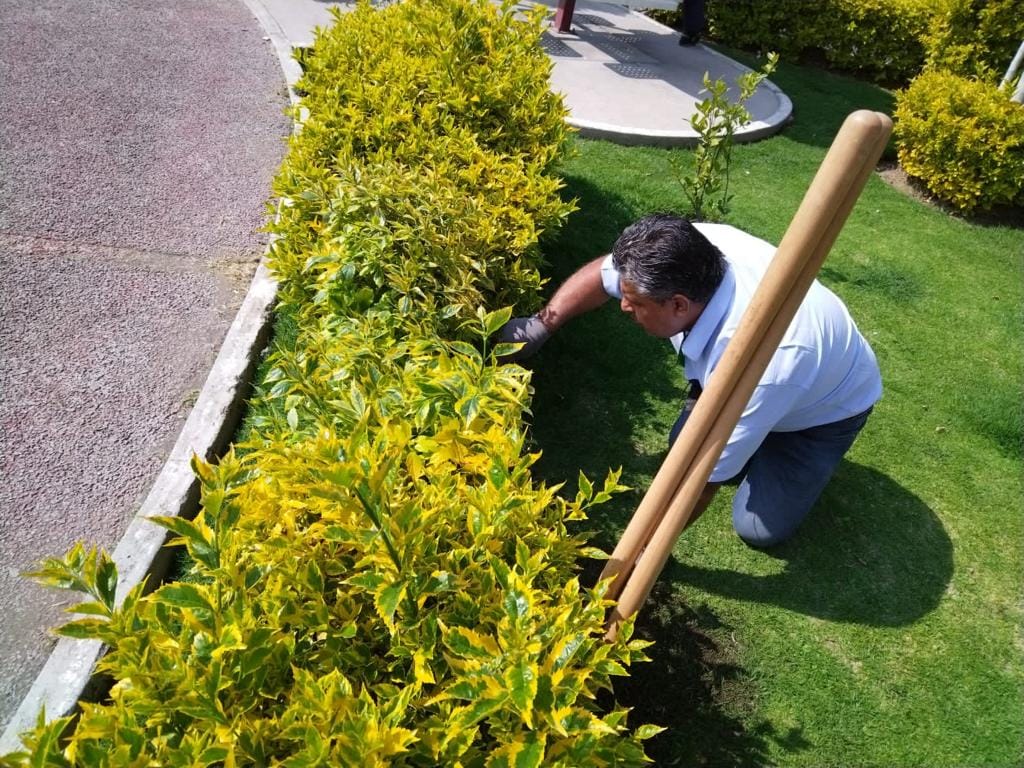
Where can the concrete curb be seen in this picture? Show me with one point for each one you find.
(636, 136)
(67, 677)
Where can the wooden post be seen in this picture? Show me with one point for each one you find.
(563, 15)
(665, 510)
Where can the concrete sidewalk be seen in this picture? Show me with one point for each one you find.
(625, 78)
(136, 153)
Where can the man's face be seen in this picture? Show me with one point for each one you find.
(659, 318)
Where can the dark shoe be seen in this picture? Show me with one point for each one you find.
(687, 40)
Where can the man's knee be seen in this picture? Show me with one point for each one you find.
(754, 533)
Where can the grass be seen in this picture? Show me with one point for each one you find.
(888, 632)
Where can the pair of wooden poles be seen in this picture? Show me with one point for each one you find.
(646, 544)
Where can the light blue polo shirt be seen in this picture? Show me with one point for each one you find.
(823, 371)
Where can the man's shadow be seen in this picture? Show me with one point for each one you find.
(870, 553)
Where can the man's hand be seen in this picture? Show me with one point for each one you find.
(529, 331)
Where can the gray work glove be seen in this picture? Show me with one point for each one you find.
(529, 331)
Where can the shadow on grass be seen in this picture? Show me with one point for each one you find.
(695, 688)
(870, 553)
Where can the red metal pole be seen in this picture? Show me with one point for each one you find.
(563, 16)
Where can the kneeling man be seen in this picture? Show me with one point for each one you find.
(691, 283)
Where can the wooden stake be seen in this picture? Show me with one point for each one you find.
(668, 504)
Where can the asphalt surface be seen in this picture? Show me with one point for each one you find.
(137, 146)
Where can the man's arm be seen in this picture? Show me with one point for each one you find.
(702, 502)
(582, 292)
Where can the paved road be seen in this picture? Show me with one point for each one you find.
(137, 145)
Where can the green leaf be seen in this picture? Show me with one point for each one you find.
(466, 642)
(506, 348)
(494, 321)
(293, 418)
(212, 755)
(532, 753)
(469, 408)
(85, 629)
(586, 489)
(386, 601)
(468, 350)
(89, 609)
(368, 580)
(521, 679)
(647, 731)
(314, 577)
(182, 596)
(198, 545)
(46, 752)
(517, 604)
(567, 650)
(106, 580)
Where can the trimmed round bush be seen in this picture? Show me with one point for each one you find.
(963, 138)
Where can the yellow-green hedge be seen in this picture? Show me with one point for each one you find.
(963, 138)
(422, 165)
(975, 37)
(881, 39)
(379, 579)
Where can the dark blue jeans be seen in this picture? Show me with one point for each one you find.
(693, 18)
(784, 477)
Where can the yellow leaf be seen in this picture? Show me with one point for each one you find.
(422, 668)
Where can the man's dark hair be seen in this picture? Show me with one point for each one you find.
(664, 254)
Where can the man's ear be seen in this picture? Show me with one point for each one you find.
(681, 304)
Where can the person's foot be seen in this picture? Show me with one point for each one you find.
(687, 40)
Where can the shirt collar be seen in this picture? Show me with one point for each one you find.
(693, 344)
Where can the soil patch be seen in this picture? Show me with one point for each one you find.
(693, 686)
(893, 174)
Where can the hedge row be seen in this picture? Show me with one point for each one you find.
(886, 40)
(879, 39)
(379, 580)
(956, 130)
(975, 37)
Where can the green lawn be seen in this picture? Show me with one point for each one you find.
(888, 632)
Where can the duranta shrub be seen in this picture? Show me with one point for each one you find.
(975, 37)
(378, 579)
(422, 164)
(963, 138)
(880, 39)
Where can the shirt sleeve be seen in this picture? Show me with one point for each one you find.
(610, 278)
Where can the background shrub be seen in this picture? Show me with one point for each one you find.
(963, 138)
(975, 37)
(879, 39)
